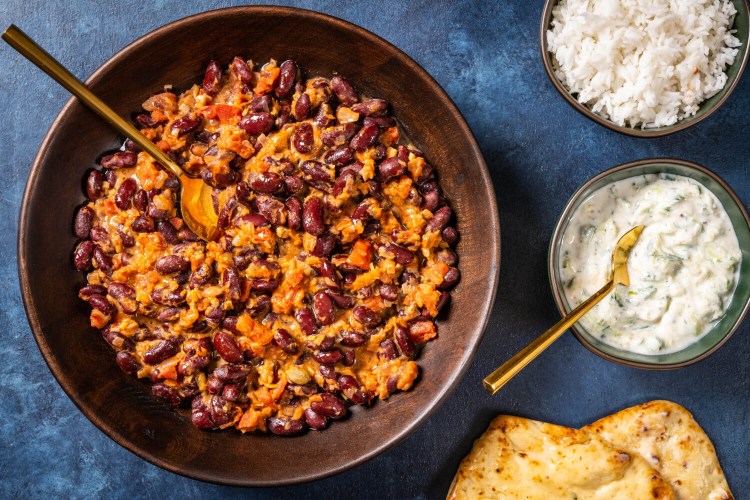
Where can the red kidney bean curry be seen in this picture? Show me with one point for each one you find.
(333, 260)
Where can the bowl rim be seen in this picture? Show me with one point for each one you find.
(630, 131)
(557, 234)
(427, 411)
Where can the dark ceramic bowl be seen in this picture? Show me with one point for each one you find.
(740, 302)
(707, 107)
(177, 54)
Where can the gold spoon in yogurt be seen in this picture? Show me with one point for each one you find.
(495, 380)
(196, 204)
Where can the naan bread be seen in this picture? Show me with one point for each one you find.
(672, 442)
(521, 458)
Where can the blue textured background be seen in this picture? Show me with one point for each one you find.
(539, 150)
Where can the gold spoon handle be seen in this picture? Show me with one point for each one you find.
(37, 55)
(495, 380)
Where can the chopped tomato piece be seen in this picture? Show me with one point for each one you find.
(361, 255)
(267, 80)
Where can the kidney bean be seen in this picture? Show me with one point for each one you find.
(366, 316)
(387, 350)
(448, 257)
(390, 168)
(400, 254)
(315, 420)
(125, 295)
(329, 406)
(99, 235)
(315, 171)
(232, 281)
(156, 213)
(256, 220)
(167, 394)
(186, 124)
(212, 78)
(306, 320)
(226, 213)
(226, 346)
(145, 120)
(342, 180)
(202, 419)
(302, 107)
(450, 236)
(326, 344)
(287, 76)
(294, 184)
(340, 155)
(163, 350)
(122, 159)
(430, 200)
(272, 209)
(242, 70)
(328, 357)
(365, 138)
(140, 200)
(388, 292)
(344, 90)
(213, 384)
(125, 193)
(232, 373)
(127, 241)
(171, 264)
(324, 245)
(294, 213)
(142, 224)
(328, 271)
(219, 410)
(191, 365)
(168, 232)
(282, 426)
(349, 357)
(404, 342)
(169, 314)
(439, 220)
(261, 103)
(312, 216)
(351, 389)
(94, 185)
(352, 339)
(451, 279)
(339, 135)
(371, 107)
(87, 291)
(162, 295)
(103, 261)
(257, 123)
(266, 182)
(284, 340)
(443, 300)
(83, 222)
(231, 392)
(127, 362)
(324, 117)
(102, 305)
(342, 301)
(303, 137)
(261, 285)
(382, 122)
(82, 255)
(323, 308)
(118, 341)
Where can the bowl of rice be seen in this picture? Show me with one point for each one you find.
(645, 68)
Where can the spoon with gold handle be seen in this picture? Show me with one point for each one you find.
(495, 380)
(196, 204)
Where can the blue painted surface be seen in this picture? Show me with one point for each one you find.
(539, 150)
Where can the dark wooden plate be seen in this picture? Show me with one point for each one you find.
(176, 54)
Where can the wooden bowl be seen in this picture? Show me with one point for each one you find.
(177, 54)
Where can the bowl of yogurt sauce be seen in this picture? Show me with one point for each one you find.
(689, 271)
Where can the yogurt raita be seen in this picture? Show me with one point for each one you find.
(683, 270)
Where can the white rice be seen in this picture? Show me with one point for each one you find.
(644, 63)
